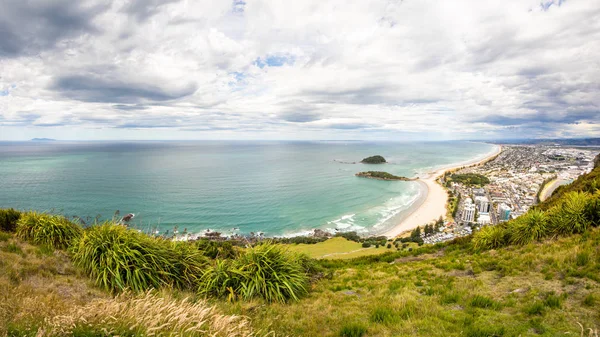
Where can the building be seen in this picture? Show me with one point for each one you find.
(468, 214)
(504, 212)
(483, 204)
(484, 219)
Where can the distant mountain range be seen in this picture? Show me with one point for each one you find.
(569, 142)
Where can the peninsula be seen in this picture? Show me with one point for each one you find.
(374, 160)
(382, 176)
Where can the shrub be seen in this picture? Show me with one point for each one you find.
(118, 258)
(490, 237)
(569, 217)
(353, 330)
(216, 249)
(44, 229)
(266, 271)
(592, 210)
(221, 279)
(366, 244)
(528, 228)
(8, 219)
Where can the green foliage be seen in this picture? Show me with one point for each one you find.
(469, 179)
(490, 237)
(353, 330)
(265, 271)
(44, 229)
(569, 216)
(301, 239)
(118, 258)
(383, 315)
(381, 175)
(216, 249)
(528, 228)
(536, 308)
(373, 160)
(366, 244)
(8, 219)
(552, 301)
(483, 302)
(351, 236)
(592, 210)
(589, 300)
(485, 331)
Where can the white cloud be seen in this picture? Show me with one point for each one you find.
(304, 69)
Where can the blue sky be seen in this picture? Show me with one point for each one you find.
(311, 69)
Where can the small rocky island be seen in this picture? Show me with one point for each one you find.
(382, 176)
(374, 160)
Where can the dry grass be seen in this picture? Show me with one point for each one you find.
(149, 314)
(42, 294)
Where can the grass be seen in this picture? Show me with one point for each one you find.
(450, 290)
(490, 237)
(118, 259)
(44, 295)
(266, 271)
(8, 219)
(336, 248)
(353, 330)
(46, 229)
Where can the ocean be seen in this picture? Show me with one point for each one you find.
(279, 188)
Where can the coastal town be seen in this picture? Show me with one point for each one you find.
(508, 185)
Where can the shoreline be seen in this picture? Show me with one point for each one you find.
(434, 204)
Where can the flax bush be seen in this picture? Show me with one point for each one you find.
(490, 237)
(528, 228)
(266, 271)
(45, 229)
(118, 258)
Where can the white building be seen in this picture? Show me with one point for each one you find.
(468, 214)
(483, 204)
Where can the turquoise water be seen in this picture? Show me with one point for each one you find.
(279, 188)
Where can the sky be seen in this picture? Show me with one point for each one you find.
(310, 69)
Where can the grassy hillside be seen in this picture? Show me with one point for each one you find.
(541, 289)
(538, 275)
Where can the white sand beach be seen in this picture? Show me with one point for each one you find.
(434, 204)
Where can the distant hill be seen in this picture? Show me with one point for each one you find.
(562, 142)
(374, 160)
(43, 140)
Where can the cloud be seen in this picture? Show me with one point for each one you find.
(28, 27)
(312, 69)
(93, 89)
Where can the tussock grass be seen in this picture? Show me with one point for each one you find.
(479, 301)
(118, 258)
(353, 330)
(149, 314)
(529, 228)
(569, 217)
(8, 219)
(490, 237)
(45, 229)
(266, 271)
(384, 315)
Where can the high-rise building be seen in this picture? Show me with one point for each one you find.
(468, 214)
(504, 212)
(483, 204)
